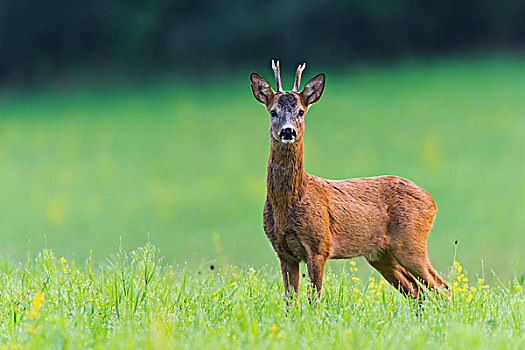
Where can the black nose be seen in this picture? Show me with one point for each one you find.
(287, 134)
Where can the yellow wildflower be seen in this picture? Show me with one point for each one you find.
(36, 304)
(275, 331)
(63, 260)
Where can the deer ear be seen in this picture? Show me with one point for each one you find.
(313, 89)
(261, 89)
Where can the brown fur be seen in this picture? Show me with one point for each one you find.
(386, 219)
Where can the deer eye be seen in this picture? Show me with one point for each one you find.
(301, 113)
(273, 114)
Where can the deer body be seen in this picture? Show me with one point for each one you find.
(307, 218)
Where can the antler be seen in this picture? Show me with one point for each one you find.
(298, 74)
(277, 72)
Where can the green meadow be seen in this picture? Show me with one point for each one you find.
(183, 163)
(136, 300)
(92, 171)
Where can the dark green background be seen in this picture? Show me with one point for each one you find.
(51, 40)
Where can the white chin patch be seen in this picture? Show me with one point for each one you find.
(288, 141)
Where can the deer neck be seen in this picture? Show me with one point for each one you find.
(285, 179)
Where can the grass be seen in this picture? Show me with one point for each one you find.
(137, 300)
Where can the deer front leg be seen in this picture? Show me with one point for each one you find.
(315, 267)
(290, 270)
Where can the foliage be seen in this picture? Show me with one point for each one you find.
(47, 40)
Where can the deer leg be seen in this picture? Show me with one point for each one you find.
(396, 275)
(290, 271)
(437, 277)
(315, 267)
(414, 259)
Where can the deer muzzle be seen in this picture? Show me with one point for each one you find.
(287, 135)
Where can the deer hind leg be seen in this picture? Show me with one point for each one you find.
(409, 246)
(437, 277)
(396, 275)
(413, 257)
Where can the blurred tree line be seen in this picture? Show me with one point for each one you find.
(40, 39)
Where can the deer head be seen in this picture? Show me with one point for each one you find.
(287, 108)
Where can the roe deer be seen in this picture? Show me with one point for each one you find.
(307, 218)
